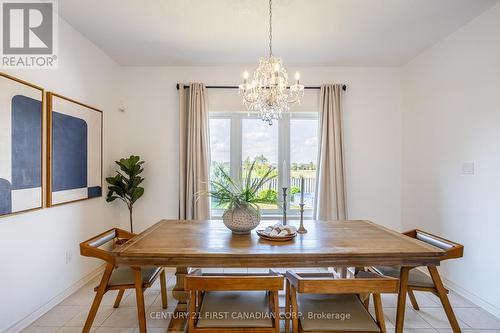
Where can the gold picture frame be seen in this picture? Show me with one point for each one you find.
(69, 177)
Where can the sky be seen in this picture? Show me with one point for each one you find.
(260, 138)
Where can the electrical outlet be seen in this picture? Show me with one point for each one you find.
(69, 256)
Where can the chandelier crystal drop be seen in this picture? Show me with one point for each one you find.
(268, 93)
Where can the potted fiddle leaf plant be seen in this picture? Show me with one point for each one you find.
(125, 184)
(240, 199)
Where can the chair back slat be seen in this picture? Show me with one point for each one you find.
(233, 283)
(347, 286)
(365, 283)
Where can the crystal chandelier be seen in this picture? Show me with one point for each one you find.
(268, 93)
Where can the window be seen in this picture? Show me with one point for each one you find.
(303, 158)
(289, 145)
(259, 142)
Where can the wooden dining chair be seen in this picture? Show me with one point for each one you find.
(229, 303)
(115, 277)
(321, 302)
(419, 281)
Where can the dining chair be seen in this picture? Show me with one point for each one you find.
(321, 302)
(419, 281)
(115, 277)
(233, 302)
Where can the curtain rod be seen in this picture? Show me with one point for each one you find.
(344, 87)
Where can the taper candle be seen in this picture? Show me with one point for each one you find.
(302, 189)
(284, 180)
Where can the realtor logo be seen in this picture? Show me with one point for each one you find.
(29, 34)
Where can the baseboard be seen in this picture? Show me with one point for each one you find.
(495, 311)
(29, 319)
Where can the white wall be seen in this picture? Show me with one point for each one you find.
(452, 116)
(372, 122)
(33, 245)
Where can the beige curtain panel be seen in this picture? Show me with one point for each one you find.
(194, 152)
(330, 188)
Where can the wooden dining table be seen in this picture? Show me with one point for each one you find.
(209, 244)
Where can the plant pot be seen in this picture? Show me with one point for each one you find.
(241, 220)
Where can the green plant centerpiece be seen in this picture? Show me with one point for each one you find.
(241, 198)
(125, 184)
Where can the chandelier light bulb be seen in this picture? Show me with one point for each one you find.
(245, 75)
(297, 77)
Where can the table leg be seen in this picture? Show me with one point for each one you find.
(403, 288)
(139, 294)
(178, 292)
(178, 321)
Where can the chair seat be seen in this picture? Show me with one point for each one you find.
(416, 278)
(227, 309)
(328, 313)
(125, 275)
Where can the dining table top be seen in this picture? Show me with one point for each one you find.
(327, 243)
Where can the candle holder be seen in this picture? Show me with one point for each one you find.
(284, 205)
(301, 229)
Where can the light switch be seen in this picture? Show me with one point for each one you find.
(468, 168)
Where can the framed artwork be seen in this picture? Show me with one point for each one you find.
(74, 150)
(21, 146)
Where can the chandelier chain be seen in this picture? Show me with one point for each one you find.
(270, 28)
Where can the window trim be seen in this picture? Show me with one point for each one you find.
(284, 140)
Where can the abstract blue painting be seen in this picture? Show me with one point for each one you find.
(69, 152)
(20, 146)
(76, 145)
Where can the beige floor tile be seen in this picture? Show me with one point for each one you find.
(420, 330)
(102, 314)
(71, 314)
(437, 318)
(59, 315)
(458, 301)
(154, 330)
(412, 319)
(171, 282)
(74, 329)
(388, 300)
(170, 300)
(86, 297)
(388, 323)
(478, 318)
(122, 317)
(150, 296)
(40, 329)
(449, 330)
(115, 330)
(425, 300)
(158, 317)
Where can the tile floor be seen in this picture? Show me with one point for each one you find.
(69, 316)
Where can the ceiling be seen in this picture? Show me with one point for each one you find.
(306, 32)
